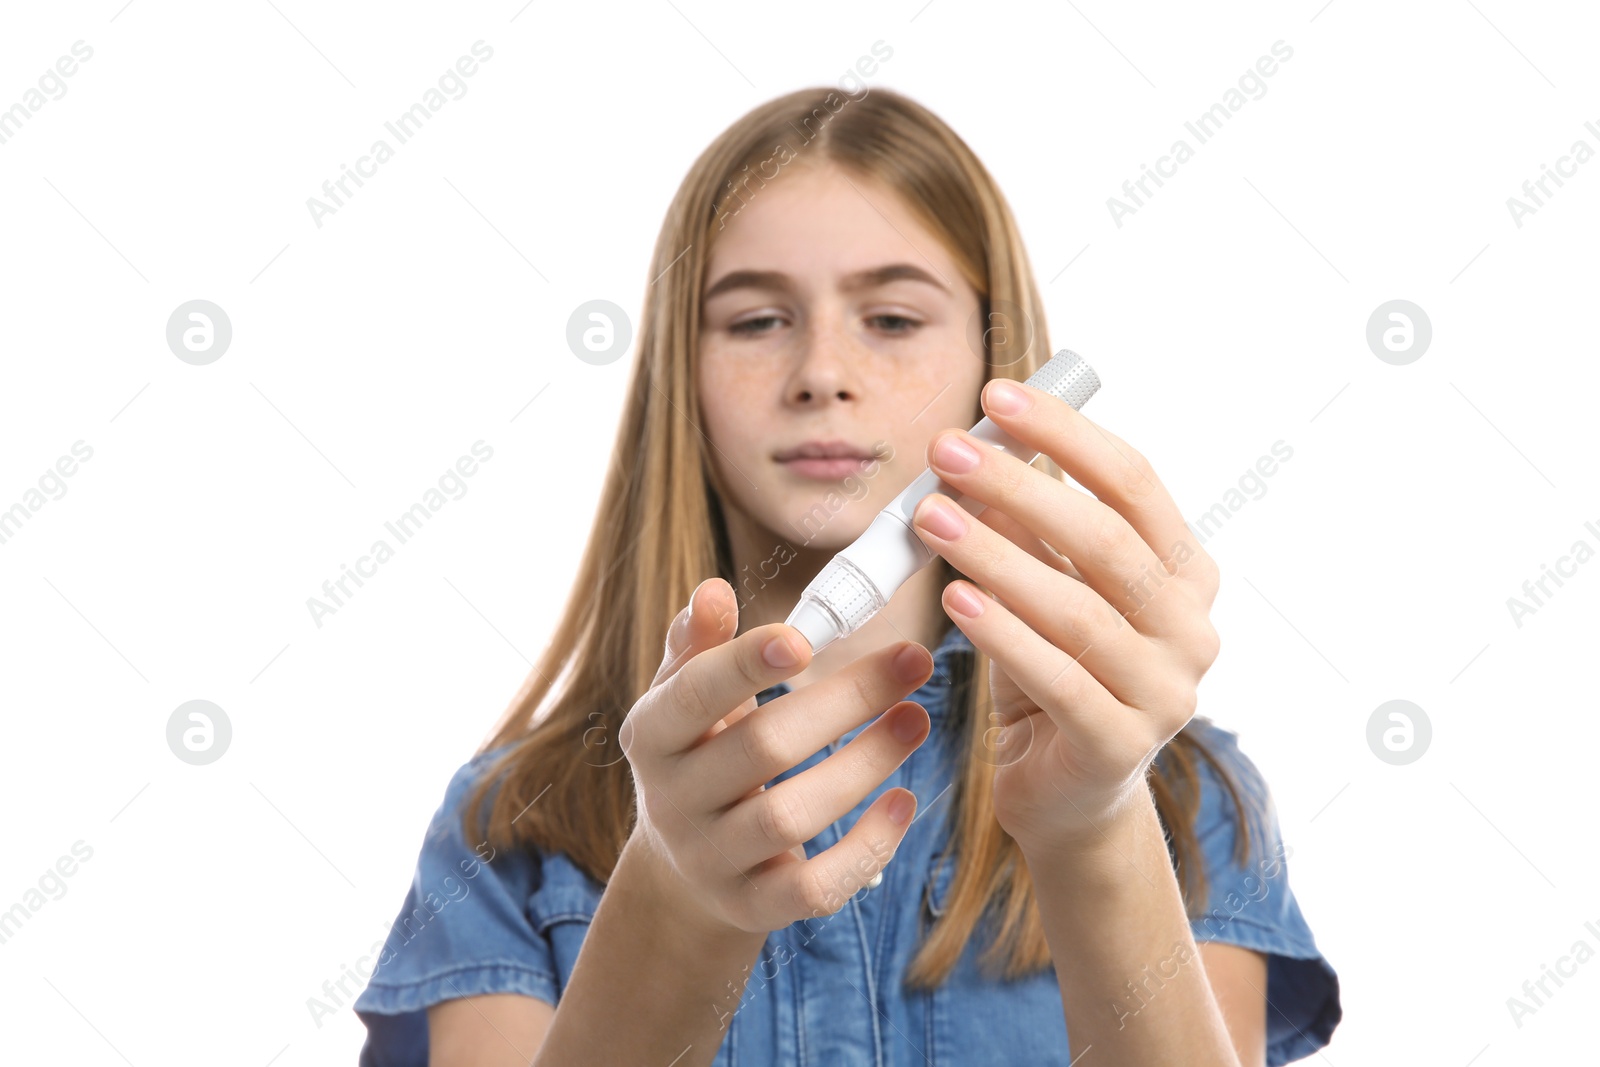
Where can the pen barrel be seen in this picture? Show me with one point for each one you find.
(858, 582)
(904, 505)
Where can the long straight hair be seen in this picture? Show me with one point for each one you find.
(659, 531)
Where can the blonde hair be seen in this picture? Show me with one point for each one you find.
(658, 530)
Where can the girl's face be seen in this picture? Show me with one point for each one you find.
(831, 317)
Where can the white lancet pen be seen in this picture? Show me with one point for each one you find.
(859, 580)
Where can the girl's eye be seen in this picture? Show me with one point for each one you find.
(748, 326)
(889, 323)
(895, 323)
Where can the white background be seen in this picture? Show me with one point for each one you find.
(368, 354)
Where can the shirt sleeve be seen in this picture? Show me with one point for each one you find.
(1250, 904)
(464, 929)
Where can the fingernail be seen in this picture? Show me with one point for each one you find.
(901, 807)
(954, 455)
(1006, 398)
(941, 520)
(910, 662)
(906, 724)
(778, 654)
(965, 601)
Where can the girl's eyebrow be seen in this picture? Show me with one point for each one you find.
(773, 280)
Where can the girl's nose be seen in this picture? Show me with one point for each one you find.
(824, 371)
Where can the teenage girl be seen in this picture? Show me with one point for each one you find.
(1021, 846)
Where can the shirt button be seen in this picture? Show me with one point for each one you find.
(875, 881)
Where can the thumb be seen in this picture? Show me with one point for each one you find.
(709, 619)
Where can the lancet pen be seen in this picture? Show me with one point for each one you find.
(859, 580)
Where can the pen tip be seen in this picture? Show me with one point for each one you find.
(815, 623)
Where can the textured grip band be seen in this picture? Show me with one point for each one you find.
(1066, 376)
(850, 595)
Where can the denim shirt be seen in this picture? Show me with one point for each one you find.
(827, 991)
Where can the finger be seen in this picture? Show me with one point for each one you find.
(717, 680)
(1087, 715)
(796, 725)
(1108, 467)
(708, 620)
(710, 617)
(1108, 553)
(823, 884)
(1066, 613)
(797, 809)
(1014, 531)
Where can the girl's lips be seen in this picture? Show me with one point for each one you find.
(825, 470)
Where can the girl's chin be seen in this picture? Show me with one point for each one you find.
(826, 523)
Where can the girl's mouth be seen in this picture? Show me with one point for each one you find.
(827, 470)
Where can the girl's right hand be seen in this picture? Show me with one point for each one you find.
(728, 845)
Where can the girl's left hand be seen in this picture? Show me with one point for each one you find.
(1095, 657)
